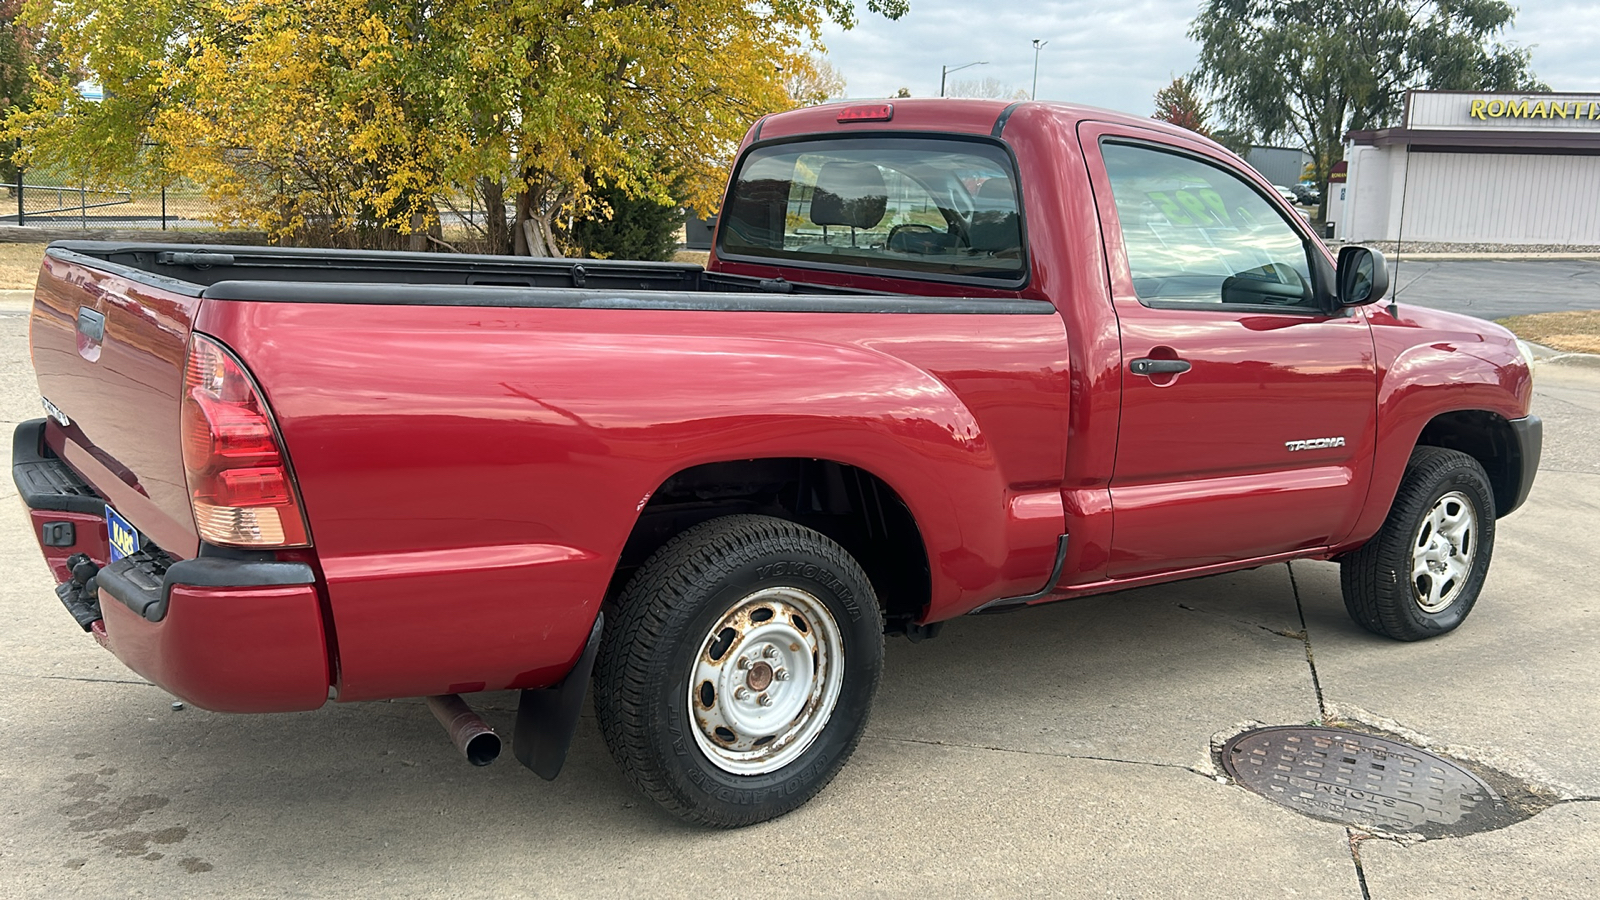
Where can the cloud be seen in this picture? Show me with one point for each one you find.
(1115, 55)
(1565, 38)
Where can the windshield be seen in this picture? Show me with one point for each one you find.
(935, 206)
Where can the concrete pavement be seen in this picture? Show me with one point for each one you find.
(1061, 751)
(1496, 288)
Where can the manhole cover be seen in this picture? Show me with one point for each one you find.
(1358, 779)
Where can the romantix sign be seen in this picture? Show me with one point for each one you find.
(1486, 109)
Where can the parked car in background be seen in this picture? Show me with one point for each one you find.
(1307, 192)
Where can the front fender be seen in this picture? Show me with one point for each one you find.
(1432, 364)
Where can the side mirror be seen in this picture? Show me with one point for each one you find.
(1363, 276)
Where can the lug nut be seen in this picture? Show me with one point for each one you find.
(769, 651)
(781, 674)
(741, 694)
(742, 664)
(765, 700)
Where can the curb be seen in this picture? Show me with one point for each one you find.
(1573, 360)
(1549, 356)
(1577, 254)
(1498, 257)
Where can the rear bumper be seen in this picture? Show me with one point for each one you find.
(237, 649)
(232, 633)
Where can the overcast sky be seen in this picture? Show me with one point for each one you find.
(1115, 55)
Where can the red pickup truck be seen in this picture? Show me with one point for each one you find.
(947, 357)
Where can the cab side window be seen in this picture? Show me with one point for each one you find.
(1198, 234)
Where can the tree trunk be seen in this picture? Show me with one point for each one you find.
(532, 230)
(543, 236)
(495, 231)
(519, 224)
(417, 239)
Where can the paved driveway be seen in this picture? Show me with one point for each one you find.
(1496, 288)
(1062, 751)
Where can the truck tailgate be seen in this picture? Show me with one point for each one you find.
(109, 352)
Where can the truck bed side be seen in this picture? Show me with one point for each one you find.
(472, 474)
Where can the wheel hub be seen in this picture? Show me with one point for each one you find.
(759, 678)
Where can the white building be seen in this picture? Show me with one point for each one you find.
(1476, 168)
(1279, 165)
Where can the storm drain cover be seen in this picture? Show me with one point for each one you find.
(1359, 779)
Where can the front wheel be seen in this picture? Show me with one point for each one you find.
(1421, 574)
(738, 676)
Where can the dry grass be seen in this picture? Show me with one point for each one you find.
(698, 257)
(1573, 332)
(19, 266)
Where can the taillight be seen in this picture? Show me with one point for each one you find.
(238, 479)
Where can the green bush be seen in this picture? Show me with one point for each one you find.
(637, 228)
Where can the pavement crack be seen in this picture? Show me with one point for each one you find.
(77, 678)
(1305, 636)
(1355, 857)
(1209, 776)
(1292, 635)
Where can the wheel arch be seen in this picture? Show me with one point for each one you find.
(1488, 438)
(849, 504)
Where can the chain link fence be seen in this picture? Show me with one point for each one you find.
(54, 197)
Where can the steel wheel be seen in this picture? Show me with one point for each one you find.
(1441, 555)
(738, 672)
(766, 681)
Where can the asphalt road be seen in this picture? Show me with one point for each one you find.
(1496, 288)
(1062, 751)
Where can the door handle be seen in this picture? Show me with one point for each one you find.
(1146, 366)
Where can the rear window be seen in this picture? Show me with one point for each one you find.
(943, 207)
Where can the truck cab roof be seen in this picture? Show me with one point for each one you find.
(947, 115)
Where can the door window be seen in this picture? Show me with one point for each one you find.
(1198, 234)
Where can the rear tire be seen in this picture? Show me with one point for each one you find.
(1421, 574)
(740, 670)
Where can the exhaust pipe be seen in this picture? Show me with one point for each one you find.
(471, 735)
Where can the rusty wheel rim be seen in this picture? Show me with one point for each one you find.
(765, 681)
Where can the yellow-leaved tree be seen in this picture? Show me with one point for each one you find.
(355, 122)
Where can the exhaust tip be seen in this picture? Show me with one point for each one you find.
(471, 735)
(482, 749)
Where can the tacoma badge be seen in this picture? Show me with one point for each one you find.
(1314, 444)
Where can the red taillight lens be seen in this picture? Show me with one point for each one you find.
(238, 479)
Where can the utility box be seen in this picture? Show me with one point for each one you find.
(697, 232)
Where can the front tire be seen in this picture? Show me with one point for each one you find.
(740, 670)
(1421, 574)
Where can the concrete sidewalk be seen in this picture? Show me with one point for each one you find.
(1062, 751)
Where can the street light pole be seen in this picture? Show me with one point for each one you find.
(1037, 46)
(946, 70)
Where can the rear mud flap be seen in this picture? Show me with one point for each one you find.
(548, 717)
